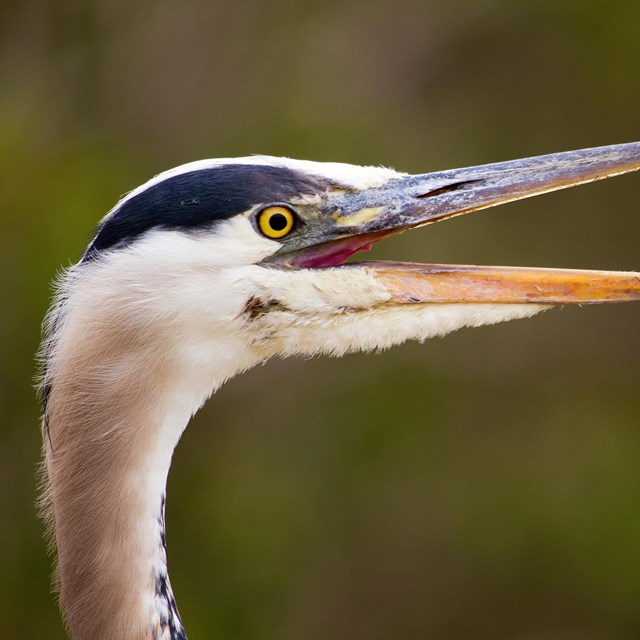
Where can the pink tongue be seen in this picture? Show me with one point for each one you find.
(331, 258)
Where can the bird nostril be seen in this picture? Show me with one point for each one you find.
(449, 187)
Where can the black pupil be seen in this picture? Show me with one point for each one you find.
(278, 222)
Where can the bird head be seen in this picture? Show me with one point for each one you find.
(247, 255)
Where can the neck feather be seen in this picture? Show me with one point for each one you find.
(107, 462)
(118, 401)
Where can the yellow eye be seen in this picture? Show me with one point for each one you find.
(276, 221)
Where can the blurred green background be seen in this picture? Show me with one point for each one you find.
(482, 486)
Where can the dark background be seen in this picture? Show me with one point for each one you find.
(482, 486)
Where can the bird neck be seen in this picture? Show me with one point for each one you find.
(126, 366)
(118, 401)
(107, 475)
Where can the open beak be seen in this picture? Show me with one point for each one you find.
(353, 221)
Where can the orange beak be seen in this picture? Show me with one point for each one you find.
(410, 283)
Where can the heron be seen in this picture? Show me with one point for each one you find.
(215, 266)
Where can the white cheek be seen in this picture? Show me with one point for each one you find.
(237, 242)
(229, 243)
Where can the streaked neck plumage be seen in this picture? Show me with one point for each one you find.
(123, 379)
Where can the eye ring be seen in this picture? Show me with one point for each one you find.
(276, 221)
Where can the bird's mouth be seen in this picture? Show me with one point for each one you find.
(354, 221)
(335, 252)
